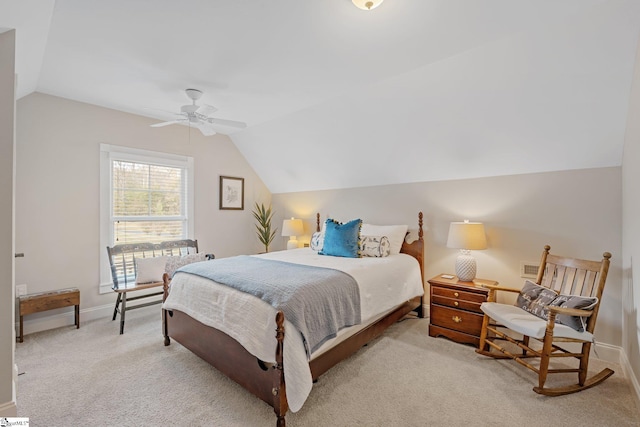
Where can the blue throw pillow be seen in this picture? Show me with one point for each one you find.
(342, 239)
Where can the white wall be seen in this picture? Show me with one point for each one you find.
(631, 229)
(578, 213)
(7, 109)
(57, 191)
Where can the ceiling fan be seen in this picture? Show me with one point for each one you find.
(199, 116)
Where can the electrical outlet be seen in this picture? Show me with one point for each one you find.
(21, 290)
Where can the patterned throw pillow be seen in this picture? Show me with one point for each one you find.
(395, 233)
(574, 301)
(539, 307)
(342, 239)
(375, 246)
(528, 294)
(175, 262)
(535, 299)
(317, 240)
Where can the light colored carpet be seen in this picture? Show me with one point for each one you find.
(94, 377)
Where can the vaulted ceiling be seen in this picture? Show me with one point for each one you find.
(337, 97)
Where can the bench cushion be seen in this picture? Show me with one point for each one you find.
(149, 270)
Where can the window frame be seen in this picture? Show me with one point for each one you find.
(110, 153)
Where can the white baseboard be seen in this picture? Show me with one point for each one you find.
(615, 354)
(605, 352)
(8, 409)
(628, 372)
(64, 319)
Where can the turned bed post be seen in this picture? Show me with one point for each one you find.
(280, 405)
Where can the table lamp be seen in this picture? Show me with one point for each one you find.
(466, 236)
(292, 228)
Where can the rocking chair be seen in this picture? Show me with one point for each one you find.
(567, 294)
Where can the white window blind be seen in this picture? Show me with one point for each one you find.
(147, 202)
(145, 197)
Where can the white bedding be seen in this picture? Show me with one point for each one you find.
(384, 284)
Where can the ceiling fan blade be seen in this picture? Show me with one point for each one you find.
(206, 110)
(205, 128)
(223, 122)
(172, 122)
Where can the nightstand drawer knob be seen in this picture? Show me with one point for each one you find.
(456, 303)
(456, 319)
(455, 294)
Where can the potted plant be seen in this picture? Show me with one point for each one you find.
(263, 217)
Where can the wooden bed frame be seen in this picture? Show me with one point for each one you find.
(266, 380)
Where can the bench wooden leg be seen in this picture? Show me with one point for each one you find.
(115, 310)
(77, 316)
(123, 309)
(21, 338)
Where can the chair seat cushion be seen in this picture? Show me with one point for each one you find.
(525, 323)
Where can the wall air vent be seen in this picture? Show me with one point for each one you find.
(529, 270)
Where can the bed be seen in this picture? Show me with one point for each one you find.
(234, 331)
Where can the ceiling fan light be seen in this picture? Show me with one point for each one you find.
(193, 94)
(367, 4)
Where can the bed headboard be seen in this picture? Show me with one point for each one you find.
(415, 249)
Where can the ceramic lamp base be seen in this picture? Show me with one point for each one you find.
(292, 244)
(465, 267)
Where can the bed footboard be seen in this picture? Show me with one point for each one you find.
(264, 380)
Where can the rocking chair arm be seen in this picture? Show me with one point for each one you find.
(570, 311)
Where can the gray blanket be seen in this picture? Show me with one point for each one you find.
(317, 301)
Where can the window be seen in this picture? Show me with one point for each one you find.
(145, 196)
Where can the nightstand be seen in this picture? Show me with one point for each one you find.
(455, 308)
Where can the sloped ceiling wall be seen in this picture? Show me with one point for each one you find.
(542, 99)
(337, 97)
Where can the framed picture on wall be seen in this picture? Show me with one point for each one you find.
(231, 193)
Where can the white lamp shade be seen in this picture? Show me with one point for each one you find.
(292, 227)
(467, 235)
(367, 4)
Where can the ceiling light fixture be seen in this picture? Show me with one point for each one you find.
(367, 4)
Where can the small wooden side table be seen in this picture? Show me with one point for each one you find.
(35, 303)
(455, 308)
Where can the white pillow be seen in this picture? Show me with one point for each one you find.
(150, 270)
(175, 262)
(395, 233)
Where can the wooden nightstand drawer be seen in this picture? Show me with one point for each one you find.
(455, 293)
(458, 303)
(458, 320)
